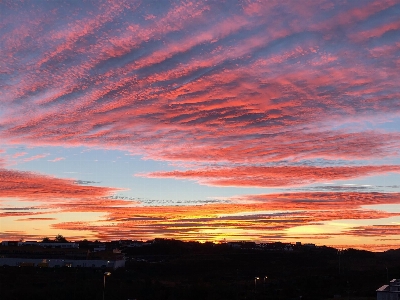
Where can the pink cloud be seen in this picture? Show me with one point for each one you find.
(376, 31)
(280, 176)
(28, 185)
(35, 157)
(19, 154)
(56, 159)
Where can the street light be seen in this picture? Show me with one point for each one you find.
(265, 281)
(104, 277)
(255, 282)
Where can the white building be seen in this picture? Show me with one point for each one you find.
(67, 245)
(59, 245)
(389, 291)
(71, 263)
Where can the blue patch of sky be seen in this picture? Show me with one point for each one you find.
(115, 168)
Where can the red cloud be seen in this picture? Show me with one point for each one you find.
(375, 230)
(273, 176)
(217, 95)
(20, 214)
(35, 186)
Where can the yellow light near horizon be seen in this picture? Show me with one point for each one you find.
(307, 229)
(42, 227)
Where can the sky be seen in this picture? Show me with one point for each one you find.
(206, 120)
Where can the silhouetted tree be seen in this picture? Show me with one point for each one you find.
(60, 239)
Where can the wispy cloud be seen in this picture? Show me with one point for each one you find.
(375, 230)
(37, 186)
(56, 159)
(280, 176)
(35, 157)
(19, 154)
(37, 219)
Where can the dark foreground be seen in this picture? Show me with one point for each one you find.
(178, 272)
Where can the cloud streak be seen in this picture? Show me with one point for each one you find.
(29, 185)
(279, 176)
